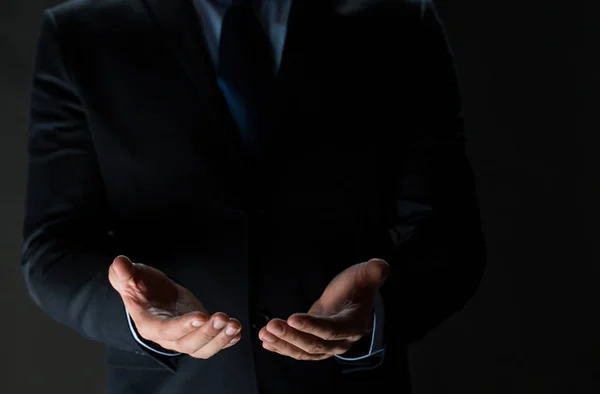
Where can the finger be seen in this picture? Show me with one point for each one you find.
(152, 324)
(218, 343)
(190, 343)
(178, 327)
(274, 344)
(233, 341)
(226, 338)
(121, 275)
(158, 328)
(307, 342)
(372, 274)
(328, 328)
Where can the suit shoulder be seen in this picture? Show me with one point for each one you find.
(392, 8)
(85, 17)
(75, 9)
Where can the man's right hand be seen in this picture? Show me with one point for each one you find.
(169, 314)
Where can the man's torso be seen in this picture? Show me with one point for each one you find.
(179, 193)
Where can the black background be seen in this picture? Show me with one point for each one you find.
(527, 81)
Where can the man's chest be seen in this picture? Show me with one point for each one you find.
(161, 126)
(146, 91)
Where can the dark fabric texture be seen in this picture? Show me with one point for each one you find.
(133, 150)
(246, 73)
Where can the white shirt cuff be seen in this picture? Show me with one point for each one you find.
(377, 346)
(141, 342)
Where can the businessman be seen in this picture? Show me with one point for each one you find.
(249, 197)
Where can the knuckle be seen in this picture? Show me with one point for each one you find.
(206, 335)
(317, 348)
(291, 336)
(222, 340)
(333, 335)
(303, 356)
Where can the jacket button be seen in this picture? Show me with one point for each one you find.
(263, 319)
(260, 321)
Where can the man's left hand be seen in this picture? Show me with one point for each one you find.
(340, 317)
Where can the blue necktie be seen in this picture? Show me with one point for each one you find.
(245, 72)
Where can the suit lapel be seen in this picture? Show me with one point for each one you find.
(180, 23)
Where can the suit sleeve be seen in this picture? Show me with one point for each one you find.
(67, 249)
(438, 252)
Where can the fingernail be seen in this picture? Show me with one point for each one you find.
(196, 323)
(219, 324)
(231, 331)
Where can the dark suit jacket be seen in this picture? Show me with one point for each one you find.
(132, 151)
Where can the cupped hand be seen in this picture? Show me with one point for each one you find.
(338, 319)
(168, 314)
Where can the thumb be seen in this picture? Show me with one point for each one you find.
(372, 274)
(122, 269)
(121, 275)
